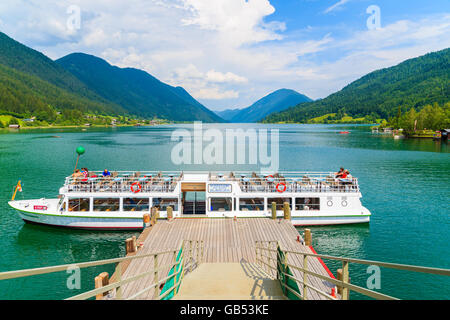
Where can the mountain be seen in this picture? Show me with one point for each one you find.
(413, 83)
(135, 90)
(276, 101)
(228, 114)
(30, 81)
(33, 84)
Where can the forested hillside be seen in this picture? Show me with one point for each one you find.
(137, 91)
(33, 85)
(414, 83)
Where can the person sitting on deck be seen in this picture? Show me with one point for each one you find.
(77, 174)
(348, 176)
(85, 172)
(106, 173)
(340, 173)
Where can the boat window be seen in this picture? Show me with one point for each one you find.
(136, 204)
(279, 201)
(251, 204)
(79, 204)
(221, 204)
(163, 203)
(307, 204)
(107, 204)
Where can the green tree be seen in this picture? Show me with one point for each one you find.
(13, 121)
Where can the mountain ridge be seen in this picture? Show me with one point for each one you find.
(277, 100)
(412, 83)
(31, 83)
(136, 90)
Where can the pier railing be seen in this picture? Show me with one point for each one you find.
(271, 256)
(184, 259)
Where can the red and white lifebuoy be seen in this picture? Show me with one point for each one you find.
(136, 187)
(284, 187)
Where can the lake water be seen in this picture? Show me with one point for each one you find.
(405, 184)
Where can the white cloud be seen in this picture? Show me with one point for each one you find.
(221, 51)
(336, 5)
(215, 94)
(229, 77)
(237, 21)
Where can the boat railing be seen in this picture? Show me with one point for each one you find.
(166, 182)
(297, 185)
(289, 182)
(123, 182)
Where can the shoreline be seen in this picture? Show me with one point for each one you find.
(78, 126)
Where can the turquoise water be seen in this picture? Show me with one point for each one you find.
(405, 184)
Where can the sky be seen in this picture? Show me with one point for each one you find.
(230, 53)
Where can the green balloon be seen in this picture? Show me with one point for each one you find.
(80, 150)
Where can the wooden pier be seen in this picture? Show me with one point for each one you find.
(223, 259)
(225, 240)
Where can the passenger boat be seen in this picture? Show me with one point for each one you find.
(119, 201)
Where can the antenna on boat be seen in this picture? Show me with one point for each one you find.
(80, 151)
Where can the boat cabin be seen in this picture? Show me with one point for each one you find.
(210, 194)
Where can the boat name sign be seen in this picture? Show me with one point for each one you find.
(40, 207)
(219, 188)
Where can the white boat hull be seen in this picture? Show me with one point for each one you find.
(322, 221)
(53, 218)
(50, 216)
(83, 222)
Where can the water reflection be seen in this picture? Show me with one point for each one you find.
(73, 245)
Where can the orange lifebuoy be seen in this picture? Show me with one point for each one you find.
(282, 184)
(138, 189)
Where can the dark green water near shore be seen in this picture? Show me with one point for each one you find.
(405, 184)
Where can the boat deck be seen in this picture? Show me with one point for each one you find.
(248, 182)
(225, 241)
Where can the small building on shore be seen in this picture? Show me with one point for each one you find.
(445, 133)
(14, 126)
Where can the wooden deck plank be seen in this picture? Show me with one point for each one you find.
(225, 240)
